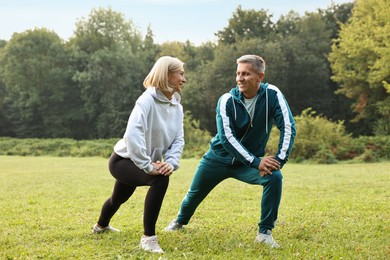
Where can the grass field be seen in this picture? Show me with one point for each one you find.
(49, 205)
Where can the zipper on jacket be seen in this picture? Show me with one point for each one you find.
(251, 123)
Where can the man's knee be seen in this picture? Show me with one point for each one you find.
(192, 197)
(276, 178)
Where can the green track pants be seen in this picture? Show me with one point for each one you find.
(210, 173)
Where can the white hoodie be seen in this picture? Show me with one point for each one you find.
(154, 130)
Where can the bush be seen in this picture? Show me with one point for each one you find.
(196, 144)
(56, 147)
(376, 148)
(197, 140)
(317, 138)
(323, 141)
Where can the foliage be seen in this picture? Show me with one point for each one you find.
(295, 50)
(38, 97)
(51, 205)
(246, 24)
(56, 147)
(317, 138)
(86, 87)
(196, 140)
(324, 141)
(201, 94)
(108, 70)
(196, 144)
(5, 130)
(307, 76)
(376, 148)
(359, 60)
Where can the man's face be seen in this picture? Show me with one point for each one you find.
(248, 80)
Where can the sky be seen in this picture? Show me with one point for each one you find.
(170, 20)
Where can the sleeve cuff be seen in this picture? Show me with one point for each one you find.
(255, 163)
(282, 162)
(149, 168)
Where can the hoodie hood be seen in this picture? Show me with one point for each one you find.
(157, 94)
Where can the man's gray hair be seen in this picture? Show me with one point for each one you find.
(257, 62)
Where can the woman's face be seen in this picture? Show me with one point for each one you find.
(176, 80)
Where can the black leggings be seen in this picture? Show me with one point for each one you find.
(128, 177)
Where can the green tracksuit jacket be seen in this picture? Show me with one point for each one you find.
(242, 138)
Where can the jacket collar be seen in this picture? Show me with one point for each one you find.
(235, 92)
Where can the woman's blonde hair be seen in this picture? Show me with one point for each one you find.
(158, 75)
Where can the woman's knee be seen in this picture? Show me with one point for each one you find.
(161, 181)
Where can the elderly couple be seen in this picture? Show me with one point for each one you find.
(154, 139)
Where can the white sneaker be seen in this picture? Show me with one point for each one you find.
(174, 226)
(266, 239)
(98, 230)
(150, 244)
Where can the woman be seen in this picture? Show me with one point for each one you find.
(154, 131)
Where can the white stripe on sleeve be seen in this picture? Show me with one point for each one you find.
(228, 133)
(287, 123)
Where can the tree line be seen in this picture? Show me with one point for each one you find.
(86, 86)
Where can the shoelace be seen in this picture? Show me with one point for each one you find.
(153, 241)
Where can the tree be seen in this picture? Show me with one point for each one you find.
(305, 52)
(5, 129)
(246, 24)
(211, 79)
(295, 50)
(360, 61)
(287, 24)
(173, 48)
(35, 71)
(109, 70)
(150, 50)
(5, 124)
(336, 15)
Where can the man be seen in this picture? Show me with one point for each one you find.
(244, 119)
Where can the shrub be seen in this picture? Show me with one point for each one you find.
(375, 149)
(317, 138)
(197, 140)
(56, 147)
(196, 144)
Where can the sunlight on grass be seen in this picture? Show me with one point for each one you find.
(50, 204)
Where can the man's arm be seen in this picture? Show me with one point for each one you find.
(285, 123)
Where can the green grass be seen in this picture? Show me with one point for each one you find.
(49, 205)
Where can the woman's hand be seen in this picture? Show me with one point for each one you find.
(154, 172)
(161, 168)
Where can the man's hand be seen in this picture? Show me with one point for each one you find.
(267, 165)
